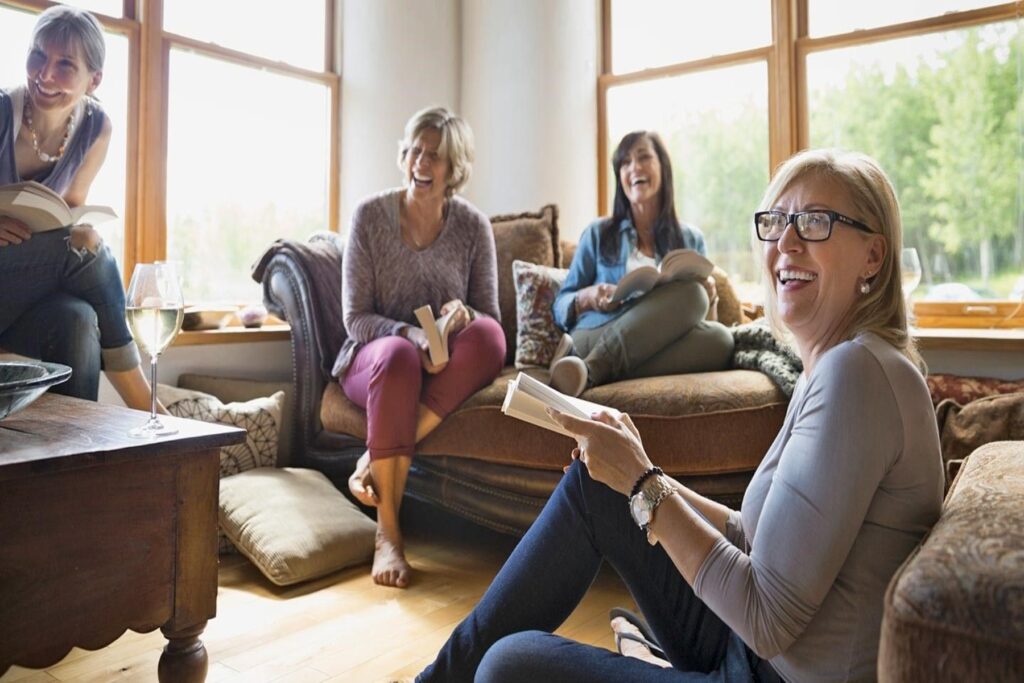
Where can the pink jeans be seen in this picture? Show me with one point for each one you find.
(387, 379)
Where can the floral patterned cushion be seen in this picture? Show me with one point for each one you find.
(536, 334)
(963, 390)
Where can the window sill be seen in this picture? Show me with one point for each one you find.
(928, 338)
(234, 335)
(969, 339)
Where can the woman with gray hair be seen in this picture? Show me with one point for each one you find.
(790, 586)
(63, 298)
(419, 244)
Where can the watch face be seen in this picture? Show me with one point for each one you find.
(639, 509)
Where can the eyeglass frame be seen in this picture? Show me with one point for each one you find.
(791, 219)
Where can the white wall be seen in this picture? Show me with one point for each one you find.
(397, 57)
(529, 76)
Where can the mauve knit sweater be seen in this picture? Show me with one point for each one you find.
(383, 281)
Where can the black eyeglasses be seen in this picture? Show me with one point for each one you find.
(811, 226)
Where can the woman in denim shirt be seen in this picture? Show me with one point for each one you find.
(670, 329)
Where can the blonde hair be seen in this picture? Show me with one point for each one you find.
(881, 311)
(456, 143)
(69, 26)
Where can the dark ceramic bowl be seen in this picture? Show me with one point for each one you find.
(22, 382)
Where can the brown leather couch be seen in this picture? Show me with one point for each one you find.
(709, 430)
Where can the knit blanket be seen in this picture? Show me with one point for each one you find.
(756, 348)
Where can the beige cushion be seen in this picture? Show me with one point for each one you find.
(229, 390)
(537, 335)
(530, 236)
(293, 524)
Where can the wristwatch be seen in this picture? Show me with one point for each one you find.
(642, 506)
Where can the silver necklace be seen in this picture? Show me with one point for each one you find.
(43, 156)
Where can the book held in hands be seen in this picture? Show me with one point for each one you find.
(437, 331)
(678, 264)
(42, 209)
(527, 399)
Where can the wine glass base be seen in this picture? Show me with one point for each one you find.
(152, 429)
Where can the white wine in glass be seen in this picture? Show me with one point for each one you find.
(155, 309)
(910, 269)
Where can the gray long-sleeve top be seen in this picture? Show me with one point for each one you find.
(851, 484)
(383, 281)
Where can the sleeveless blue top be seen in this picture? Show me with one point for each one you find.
(58, 177)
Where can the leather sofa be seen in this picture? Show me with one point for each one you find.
(709, 429)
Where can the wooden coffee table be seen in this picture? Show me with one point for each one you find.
(100, 532)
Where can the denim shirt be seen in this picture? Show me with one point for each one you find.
(588, 269)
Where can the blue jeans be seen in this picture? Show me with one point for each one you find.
(507, 636)
(44, 265)
(44, 271)
(61, 329)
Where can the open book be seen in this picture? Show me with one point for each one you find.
(42, 209)
(527, 399)
(437, 332)
(678, 264)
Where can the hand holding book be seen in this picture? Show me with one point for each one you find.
(38, 208)
(12, 231)
(454, 316)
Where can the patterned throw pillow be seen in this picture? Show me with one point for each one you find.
(536, 333)
(260, 418)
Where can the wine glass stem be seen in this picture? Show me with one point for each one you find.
(152, 386)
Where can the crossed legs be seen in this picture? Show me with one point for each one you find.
(403, 405)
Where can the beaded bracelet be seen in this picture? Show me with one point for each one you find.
(651, 472)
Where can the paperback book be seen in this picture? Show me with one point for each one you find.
(41, 209)
(527, 399)
(678, 264)
(437, 331)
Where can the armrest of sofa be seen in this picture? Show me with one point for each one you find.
(302, 285)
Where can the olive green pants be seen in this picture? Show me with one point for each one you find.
(663, 333)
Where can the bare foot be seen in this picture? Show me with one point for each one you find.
(361, 483)
(389, 565)
(631, 643)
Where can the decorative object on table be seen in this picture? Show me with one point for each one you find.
(154, 309)
(22, 382)
(207, 317)
(293, 524)
(253, 316)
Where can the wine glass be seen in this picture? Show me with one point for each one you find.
(154, 310)
(910, 266)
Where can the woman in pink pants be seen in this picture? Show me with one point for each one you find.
(407, 247)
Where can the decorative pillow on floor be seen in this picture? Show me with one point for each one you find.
(293, 524)
(536, 335)
(260, 418)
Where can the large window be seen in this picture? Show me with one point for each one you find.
(225, 134)
(931, 88)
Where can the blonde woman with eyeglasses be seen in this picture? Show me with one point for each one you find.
(790, 586)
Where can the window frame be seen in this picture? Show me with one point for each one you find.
(789, 116)
(149, 49)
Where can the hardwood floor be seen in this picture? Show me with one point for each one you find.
(341, 627)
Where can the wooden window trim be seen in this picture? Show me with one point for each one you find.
(788, 115)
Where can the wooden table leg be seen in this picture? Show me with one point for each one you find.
(184, 659)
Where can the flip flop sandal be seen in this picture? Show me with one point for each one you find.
(647, 637)
(619, 637)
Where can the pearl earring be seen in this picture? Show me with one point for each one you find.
(865, 287)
